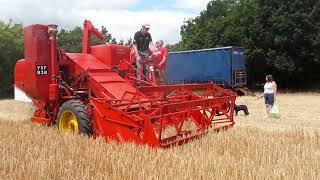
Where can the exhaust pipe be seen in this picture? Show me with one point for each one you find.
(53, 87)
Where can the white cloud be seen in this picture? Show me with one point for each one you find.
(195, 5)
(37, 5)
(123, 24)
(114, 14)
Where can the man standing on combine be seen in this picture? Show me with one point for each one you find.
(141, 42)
(161, 61)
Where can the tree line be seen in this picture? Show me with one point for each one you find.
(71, 40)
(280, 37)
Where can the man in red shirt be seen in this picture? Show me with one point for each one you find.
(160, 60)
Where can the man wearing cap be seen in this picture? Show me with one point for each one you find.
(141, 43)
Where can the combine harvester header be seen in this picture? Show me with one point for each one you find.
(85, 93)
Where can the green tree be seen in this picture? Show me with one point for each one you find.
(11, 50)
(279, 37)
(113, 41)
(211, 28)
(173, 47)
(121, 42)
(71, 40)
(129, 42)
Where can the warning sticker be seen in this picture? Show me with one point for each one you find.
(41, 70)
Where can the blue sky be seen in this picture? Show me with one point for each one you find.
(121, 17)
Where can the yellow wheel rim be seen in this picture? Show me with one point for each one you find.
(68, 123)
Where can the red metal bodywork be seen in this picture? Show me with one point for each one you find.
(157, 115)
(89, 29)
(37, 52)
(111, 54)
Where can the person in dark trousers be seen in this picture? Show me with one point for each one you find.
(141, 42)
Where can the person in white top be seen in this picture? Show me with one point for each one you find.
(269, 93)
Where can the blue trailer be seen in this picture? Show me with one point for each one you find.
(224, 66)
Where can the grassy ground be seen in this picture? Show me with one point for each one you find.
(256, 148)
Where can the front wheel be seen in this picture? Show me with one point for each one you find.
(73, 117)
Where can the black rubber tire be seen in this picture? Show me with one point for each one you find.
(80, 111)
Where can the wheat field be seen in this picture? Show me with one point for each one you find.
(256, 148)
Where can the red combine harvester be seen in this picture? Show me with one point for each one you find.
(87, 93)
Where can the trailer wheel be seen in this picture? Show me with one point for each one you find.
(73, 117)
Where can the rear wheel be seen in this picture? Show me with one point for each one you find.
(73, 117)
